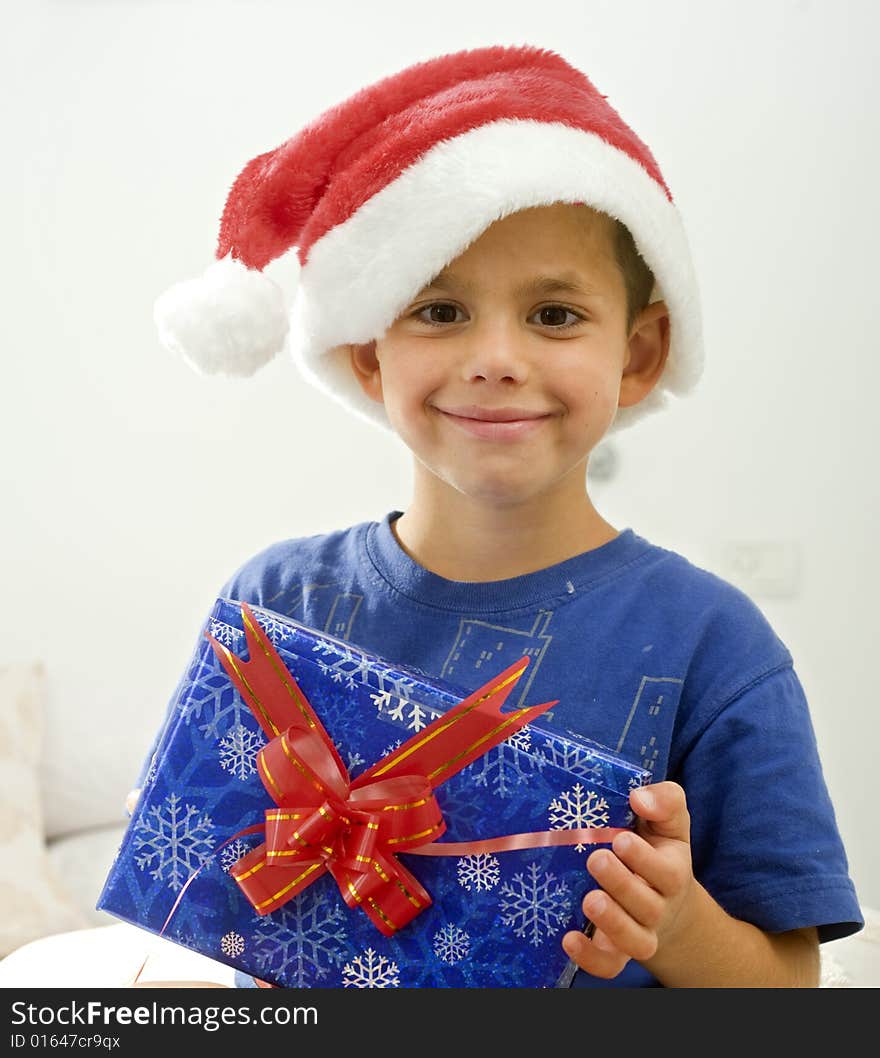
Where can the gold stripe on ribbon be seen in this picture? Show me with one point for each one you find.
(381, 914)
(308, 845)
(261, 767)
(306, 774)
(491, 734)
(248, 873)
(413, 837)
(281, 672)
(409, 804)
(234, 662)
(309, 870)
(413, 899)
(442, 728)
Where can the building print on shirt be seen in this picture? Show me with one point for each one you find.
(483, 647)
(321, 606)
(645, 731)
(480, 647)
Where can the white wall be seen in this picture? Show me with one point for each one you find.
(132, 488)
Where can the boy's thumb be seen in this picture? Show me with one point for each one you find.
(664, 807)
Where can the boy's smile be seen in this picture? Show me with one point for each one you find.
(506, 371)
(494, 424)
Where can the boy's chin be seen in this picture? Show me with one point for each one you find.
(502, 496)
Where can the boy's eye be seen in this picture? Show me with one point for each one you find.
(557, 316)
(438, 312)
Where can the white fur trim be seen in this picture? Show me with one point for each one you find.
(231, 320)
(363, 273)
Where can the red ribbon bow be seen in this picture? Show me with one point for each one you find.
(353, 828)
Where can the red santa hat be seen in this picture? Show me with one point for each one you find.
(379, 193)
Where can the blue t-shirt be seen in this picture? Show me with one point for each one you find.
(646, 653)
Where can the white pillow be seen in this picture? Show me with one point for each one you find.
(108, 957)
(84, 860)
(32, 900)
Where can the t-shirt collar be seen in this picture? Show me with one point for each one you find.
(563, 581)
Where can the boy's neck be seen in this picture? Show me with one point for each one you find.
(463, 540)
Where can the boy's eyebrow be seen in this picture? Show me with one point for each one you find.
(564, 283)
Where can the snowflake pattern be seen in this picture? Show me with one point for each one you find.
(401, 710)
(351, 668)
(478, 872)
(382, 701)
(176, 838)
(152, 770)
(535, 904)
(452, 944)
(232, 853)
(309, 941)
(370, 971)
(576, 760)
(389, 749)
(578, 807)
(232, 944)
(347, 726)
(224, 633)
(510, 764)
(303, 939)
(275, 630)
(238, 751)
(209, 696)
(355, 760)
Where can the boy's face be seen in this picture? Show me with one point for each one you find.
(506, 371)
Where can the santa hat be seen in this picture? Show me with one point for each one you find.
(379, 193)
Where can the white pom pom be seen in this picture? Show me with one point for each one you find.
(231, 320)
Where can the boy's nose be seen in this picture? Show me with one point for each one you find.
(495, 355)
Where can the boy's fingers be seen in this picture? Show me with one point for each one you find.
(624, 932)
(664, 807)
(592, 958)
(662, 873)
(632, 890)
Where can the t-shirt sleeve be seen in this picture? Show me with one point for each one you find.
(764, 836)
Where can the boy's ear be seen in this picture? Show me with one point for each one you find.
(647, 353)
(365, 365)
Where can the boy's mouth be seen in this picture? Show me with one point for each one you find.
(495, 424)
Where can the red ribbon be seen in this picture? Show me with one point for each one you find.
(325, 821)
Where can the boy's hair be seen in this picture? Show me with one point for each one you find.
(380, 192)
(638, 278)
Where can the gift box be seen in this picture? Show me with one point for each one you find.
(318, 816)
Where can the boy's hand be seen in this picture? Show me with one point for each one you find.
(131, 799)
(647, 880)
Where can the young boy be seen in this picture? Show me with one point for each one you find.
(492, 266)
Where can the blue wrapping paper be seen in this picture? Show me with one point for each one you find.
(496, 919)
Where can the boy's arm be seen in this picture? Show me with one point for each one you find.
(719, 951)
(651, 909)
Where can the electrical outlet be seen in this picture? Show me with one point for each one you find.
(769, 568)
